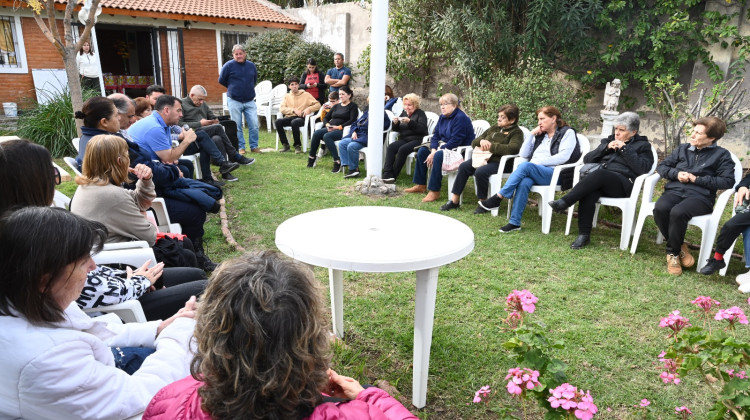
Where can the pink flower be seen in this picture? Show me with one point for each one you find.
(645, 403)
(733, 314)
(675, 322)
(739, 375)
(521, 301)
(570, 399)
(482, 393)
(521, 380)
(705, 303)
(670, 375)
(684, 411)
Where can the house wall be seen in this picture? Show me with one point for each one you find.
(202, 59)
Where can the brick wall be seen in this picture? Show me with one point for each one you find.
(200, 62)
(40, 53)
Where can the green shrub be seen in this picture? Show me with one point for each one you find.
(52, 124)
(296, 59)
(530, 89)
(269, 51)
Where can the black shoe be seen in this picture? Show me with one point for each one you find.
(286, 148)
(311, 161)
(491, 203)
(229, 177)
(450, 205)
(712, 266)
(244, 161)
(581, 241)
(509, 228)
(352, 173)
(216, 207)
(389, 180)
(297, 150)
(336, 167)
(559, 206)
(228, 167)
(211, 181)
(480, 210)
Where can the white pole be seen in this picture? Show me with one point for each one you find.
(378, 46)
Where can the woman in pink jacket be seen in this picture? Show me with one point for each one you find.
(263, 352)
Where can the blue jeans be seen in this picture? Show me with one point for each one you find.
(349, 151)
(436, 173)
(519, 184)
(250, 110)
(190, 190)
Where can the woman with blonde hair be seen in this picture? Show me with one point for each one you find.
(263, 352)
(412, 127)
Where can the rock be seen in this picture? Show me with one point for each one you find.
(374, 185)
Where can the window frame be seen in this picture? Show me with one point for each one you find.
(20, 53)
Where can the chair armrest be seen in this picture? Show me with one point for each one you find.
(721, 203)
(518, 161)
(558, 169)
(465, 151)
(392, 137)
(114, 246)
(345, 131)
(128, 311)
(637, 184)
(504, 161)
(648, 187)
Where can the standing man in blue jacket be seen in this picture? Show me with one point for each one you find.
(239, 76)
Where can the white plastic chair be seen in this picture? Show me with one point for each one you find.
(365, 150)
(480, 126)
(708, 223)
(728, 253)
(159, 208)
(61, 200)
(224, 104)
(270, 107)
(496, 180)
(76, 143)
(302, 130)
(547, 192)
(628, 205)
(128, 311)
(432, 119)
(71, 162)
(398, 107)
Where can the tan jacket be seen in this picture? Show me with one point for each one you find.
(302, 101)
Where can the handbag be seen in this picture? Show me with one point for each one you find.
(451, 160)
(480, 157)
(588, 168)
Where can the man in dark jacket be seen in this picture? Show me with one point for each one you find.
(694, 171)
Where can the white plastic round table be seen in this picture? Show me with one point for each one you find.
(388, 240)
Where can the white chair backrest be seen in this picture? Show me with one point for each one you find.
(263, 87)
(60, 200)
(224, 104)
(432, 119)
(737, 169)
(398, 107)
(526, 132)
(277, 94)
(76, 141)
(389, 114)
(72, 164)
(585, 145)
(480, 126)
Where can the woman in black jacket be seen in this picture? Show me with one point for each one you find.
(623, 156)
(342, 114)
(412, 127)
(694, 172)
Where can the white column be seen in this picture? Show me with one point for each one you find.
(378, 42)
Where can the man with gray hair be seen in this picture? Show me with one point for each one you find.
(198, 116)
(239, 76)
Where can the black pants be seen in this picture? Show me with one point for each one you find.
(295, 123)
(231, 130)
(672, 213)
(731, 231)
(481, 175)
(602, 183)
(90, 83)
(221, 140)
(395, 156)
(208, 150)
(189, 215)
(181, 283)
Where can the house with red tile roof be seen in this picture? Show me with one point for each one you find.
(175, 43)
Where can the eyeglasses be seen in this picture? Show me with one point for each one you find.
(58, 178)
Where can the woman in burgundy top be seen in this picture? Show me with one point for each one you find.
(312, 81)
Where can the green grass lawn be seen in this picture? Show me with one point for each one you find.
(603, 302)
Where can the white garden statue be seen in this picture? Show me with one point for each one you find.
(612, 95)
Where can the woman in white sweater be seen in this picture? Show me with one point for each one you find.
(88, 67)
(57, 362)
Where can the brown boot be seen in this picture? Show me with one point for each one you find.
(431, 196)
(673, 265)
(416, 189)
(686, 258)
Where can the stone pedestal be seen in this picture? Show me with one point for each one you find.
(608, 119)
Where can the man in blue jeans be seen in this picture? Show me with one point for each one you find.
(239, 76)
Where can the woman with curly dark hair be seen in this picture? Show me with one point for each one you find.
(263, 352)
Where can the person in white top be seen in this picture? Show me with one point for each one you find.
(88, 67)
(57, 362)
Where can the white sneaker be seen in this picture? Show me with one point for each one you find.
(743, 278)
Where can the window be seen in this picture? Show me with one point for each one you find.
(12, 50)
(229, 40)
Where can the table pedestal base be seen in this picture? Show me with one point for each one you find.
(424, 315)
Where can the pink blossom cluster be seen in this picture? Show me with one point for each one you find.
(670, 375)
(521, 380)
(569, 398)
(733, 314)
(684, 411)
(675, 322)
(645, 403)
(705, 303)
(482, 393)
(739, 375)
(521, 301)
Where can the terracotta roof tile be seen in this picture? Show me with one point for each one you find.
(229, 9)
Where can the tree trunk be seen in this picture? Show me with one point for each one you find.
(74, 83)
